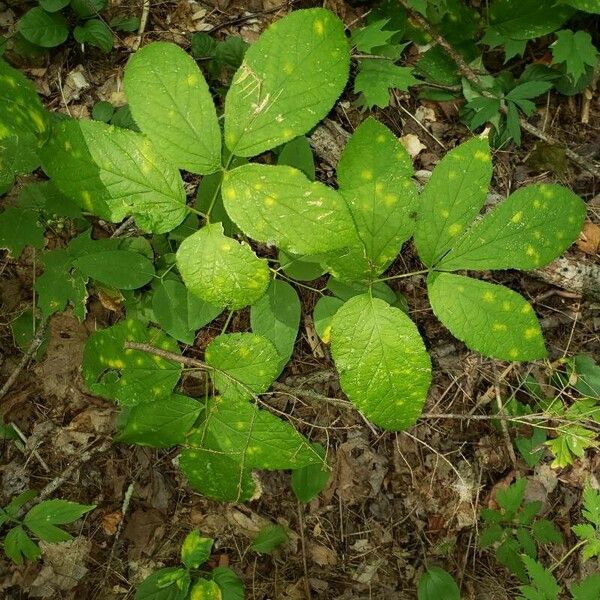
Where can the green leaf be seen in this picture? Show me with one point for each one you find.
(590, 6)
(510, 498)
(88, 8)
(435, 584)
(544, 584)
(162, 423)
(231, 586)
(170, 101)
(245, 364)
(545, 532)
(180, 313)
(383, 365)
(562, 455)
(171, 583)
(289, 80)
(12, 508)
(302, 268)
(452, 198)
(365, 39)
(43, 29)
(280, 205)
(121, 269)
(20, 228)
(532, 448)
(490, 535)
(533, 19)
(374, 174)
(309, 481)
(128, 24)
(507, 554)
(588, 375)
(377, 76)
(24, 328)
(276, 316)
(588, 588)
(43, 518)
(323, 314)
(298, 154)
(488, 318)
(59, 285)
(18, 546)
(575, 51)
(528, 230)
(220, 270)
(269, 538)
(95, 33)
(53, 5)
(203, 45)
(591, 505)
(527, 542)
(114, 172)
(129, 376)
(345, 291)
(528, 512)
(195, 550)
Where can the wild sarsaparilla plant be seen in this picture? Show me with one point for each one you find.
(288, 81)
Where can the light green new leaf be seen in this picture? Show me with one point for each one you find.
(121, 269)
(220, 270)
(20, 228)
(247, 364)
(205, 589)
(528, 230)
(170, 583)
(588, 588)
(383, 365)
(179, 312)
(276, 316)
(280, 205)
(114, 172)
(377, 76)
(170, 101)
(43, 518)
(162, 423)
(129, 376)
(488, 318)
(452, 198)
(195, 549)
(269, 538)
(288, 81)
(374, 177)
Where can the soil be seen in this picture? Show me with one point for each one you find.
(396, 502)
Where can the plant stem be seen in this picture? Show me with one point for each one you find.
(402, 276)
(218, 188)
(564, 557)
(227, 321)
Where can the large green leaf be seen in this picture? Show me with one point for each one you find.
(276, 316)
(179, 312)
(374, 178)
(20, 228)
(43, 518)
(114, 172)
(162, 423)
(528, 230)
(122, 269)
(591, 6)
(279, 204)
(220, 270)
(42, 28)
(452, 198)
(245, 364)
(289, 80)
(488, 318)
(170, 101)
(383, 365)
(129, 376)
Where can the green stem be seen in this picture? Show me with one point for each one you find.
(563, 558)
(403, 276)
(197, 212)
(218, 188)
(278, 273)
(227, 321)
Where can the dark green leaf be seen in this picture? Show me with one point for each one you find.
(231, 586)
(309, 481)
(20, 228)
(171, 583)
(43, 29)
(269, 538)
(95, 33)
(436, 584)
(18, 546)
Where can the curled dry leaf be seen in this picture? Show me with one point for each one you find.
(589, 238)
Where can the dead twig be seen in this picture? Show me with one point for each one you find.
(142, 27)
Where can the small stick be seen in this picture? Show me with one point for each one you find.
(35, 344)
(33, 451)
(504, 426)
(142, 28)
(124, 509)
(303, 545)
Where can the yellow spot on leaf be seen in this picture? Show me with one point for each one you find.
(326, 334)
(226, 247)
(517, 217)
(500, 327)
(87, 200)
(288, 134)
(536, 203)
(488, 296)
(530, 251)
(230, 193)
(379, 187)
(514, 353)
(68, 145)
(482, 156)
(526, 309)
(506, 305)
(390, 199)
(445, 213)
(288, 68)
(258, 186)
(269, 201)
(37, 119)
(531, 332)
(454, 229)
(381, 138)
(366, 174)
(319, 27)
(191, 80)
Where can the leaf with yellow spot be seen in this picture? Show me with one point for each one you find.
(245, 364)
(130, 377)
(488, 318)
(195, 549)
(528, 230)
(113, 173)
(452, 198)
(205, 589)
(162, 423)
(383, 365)
(323, 314)
(170, 583)
(276, 316)
(374, 175)
(288, 81)
(220, 270)
(170, 101)
(279, 204)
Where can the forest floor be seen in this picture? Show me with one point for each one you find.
(396, 502)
